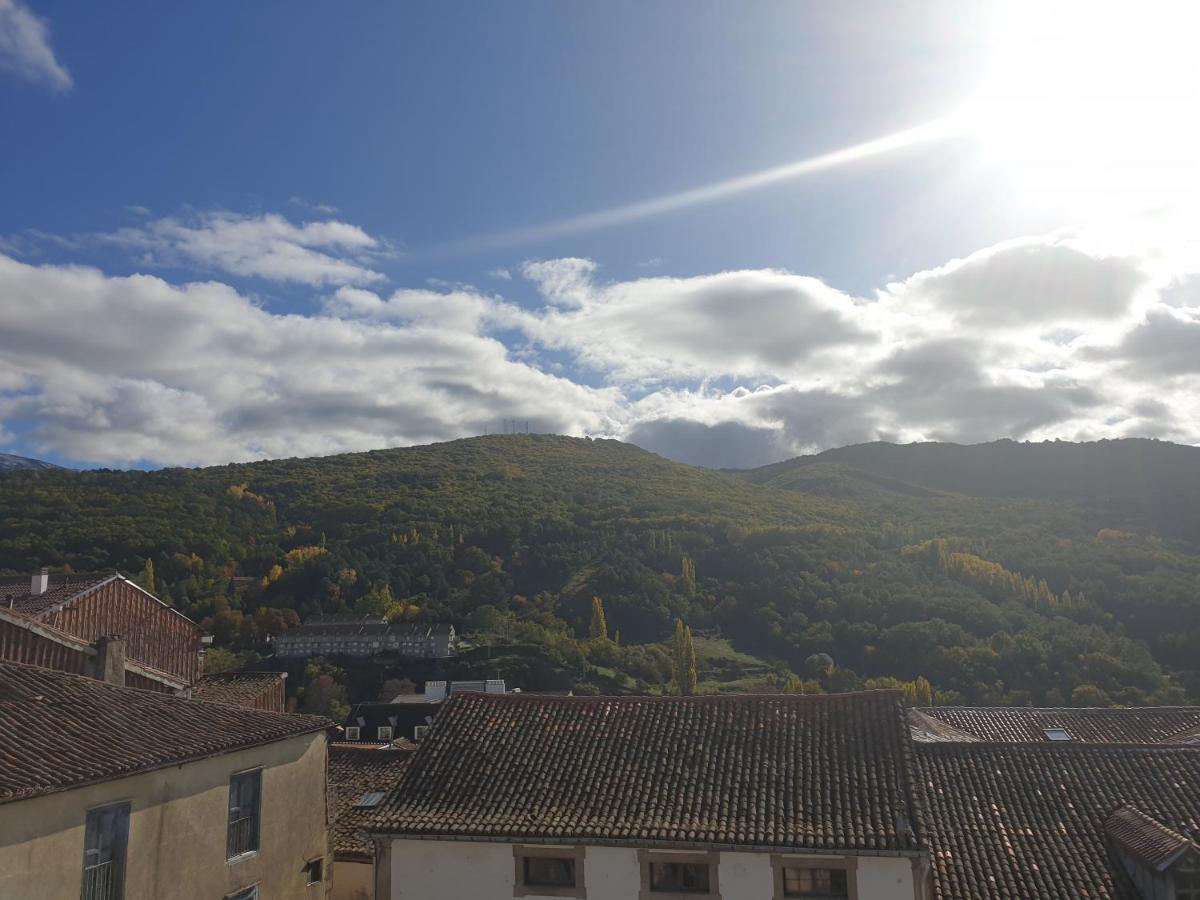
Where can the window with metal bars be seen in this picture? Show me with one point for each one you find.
(245, 793)
(106, 837)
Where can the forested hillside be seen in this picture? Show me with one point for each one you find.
(1051, 585)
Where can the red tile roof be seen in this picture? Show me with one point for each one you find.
(1150, 841)
(254, 690)
(1028, 820)
(355, 770)
(60, 731)
(15, 591)
(827, 772)
(1148, 725)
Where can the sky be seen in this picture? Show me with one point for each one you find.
(729, 233)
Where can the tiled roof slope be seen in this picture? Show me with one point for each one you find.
(1020, 820)
(790, 772)
(247, 689)
(1150, 841)
(354, 770)
(1187, 736)
(59, 731)
(14, 592)
(1089, 726)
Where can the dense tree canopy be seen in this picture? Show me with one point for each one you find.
(994, 598)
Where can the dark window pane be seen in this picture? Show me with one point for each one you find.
(826, 884)
(548, 871)
(244, 795)
(678, 877)
(106, 837)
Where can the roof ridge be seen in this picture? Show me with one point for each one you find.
(520, 696)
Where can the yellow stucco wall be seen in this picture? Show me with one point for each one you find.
(177, 830)
(353, 880)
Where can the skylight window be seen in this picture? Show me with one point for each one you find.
(1057, 734)
(369, 799)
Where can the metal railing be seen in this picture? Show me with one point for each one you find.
(243, 836)
(101, 882)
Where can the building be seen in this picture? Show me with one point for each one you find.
(1019, 725)
(113, 793)
(359, 778)
(369, 636)
(1060, 803)
(747, 796)
(23, 640)
(408, 716)
(253, 690)
(92, 606)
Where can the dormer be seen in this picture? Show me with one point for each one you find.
(1162, 862)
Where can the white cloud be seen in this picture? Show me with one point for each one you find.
(117, 370)
(25, 47)
(265, 246)
(749, 323)
(1033, 339)
(501, 273)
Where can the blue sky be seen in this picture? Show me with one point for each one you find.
(296, 228)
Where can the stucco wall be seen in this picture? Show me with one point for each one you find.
(177, 830)
(433, 870)
(353, 880)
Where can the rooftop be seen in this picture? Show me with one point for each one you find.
(789, 772)
(60, 731)
(356, 770)
(239, 688)
(1029, 820)
(1150, 841)
(15, 590)
(1150, 725)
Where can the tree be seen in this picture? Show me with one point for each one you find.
(599, 627)
(683, 660)
(324, 693)
(688, 575)
(394, 687)
(819, 665)
(148, 576)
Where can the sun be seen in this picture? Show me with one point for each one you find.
(1093, 104)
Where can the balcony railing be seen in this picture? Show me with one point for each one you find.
(243, 837)
(101, 882)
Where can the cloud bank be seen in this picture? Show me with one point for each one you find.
(1050, 336)
(25, 47)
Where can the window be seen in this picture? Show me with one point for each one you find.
(1056, 734)
(250, 893)
(245, 790)
(678, 874)
(815, 878)
(352, 732)
(804, 882)
(548, 872)
(106, 837)
(1187, 882)
(384, 732)
(419, 732)
(313, 871)
(370, 799)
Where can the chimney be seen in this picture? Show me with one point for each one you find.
(435, 691)
(40, 582)
(110, 659)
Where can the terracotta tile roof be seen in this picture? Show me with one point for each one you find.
(1148, 725)
(14, 591)
(355, 770)
(1187, 736)
(239, 688)
(1025, 820)
(1149, 840)
(59, 731)
(928, 730)
(817, 772)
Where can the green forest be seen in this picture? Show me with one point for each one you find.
(1005, 573)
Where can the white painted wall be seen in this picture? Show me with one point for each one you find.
(435, 870)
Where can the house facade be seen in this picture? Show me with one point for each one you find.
(370, 636)
(656, 798)
(92, 606)
(111, 793)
